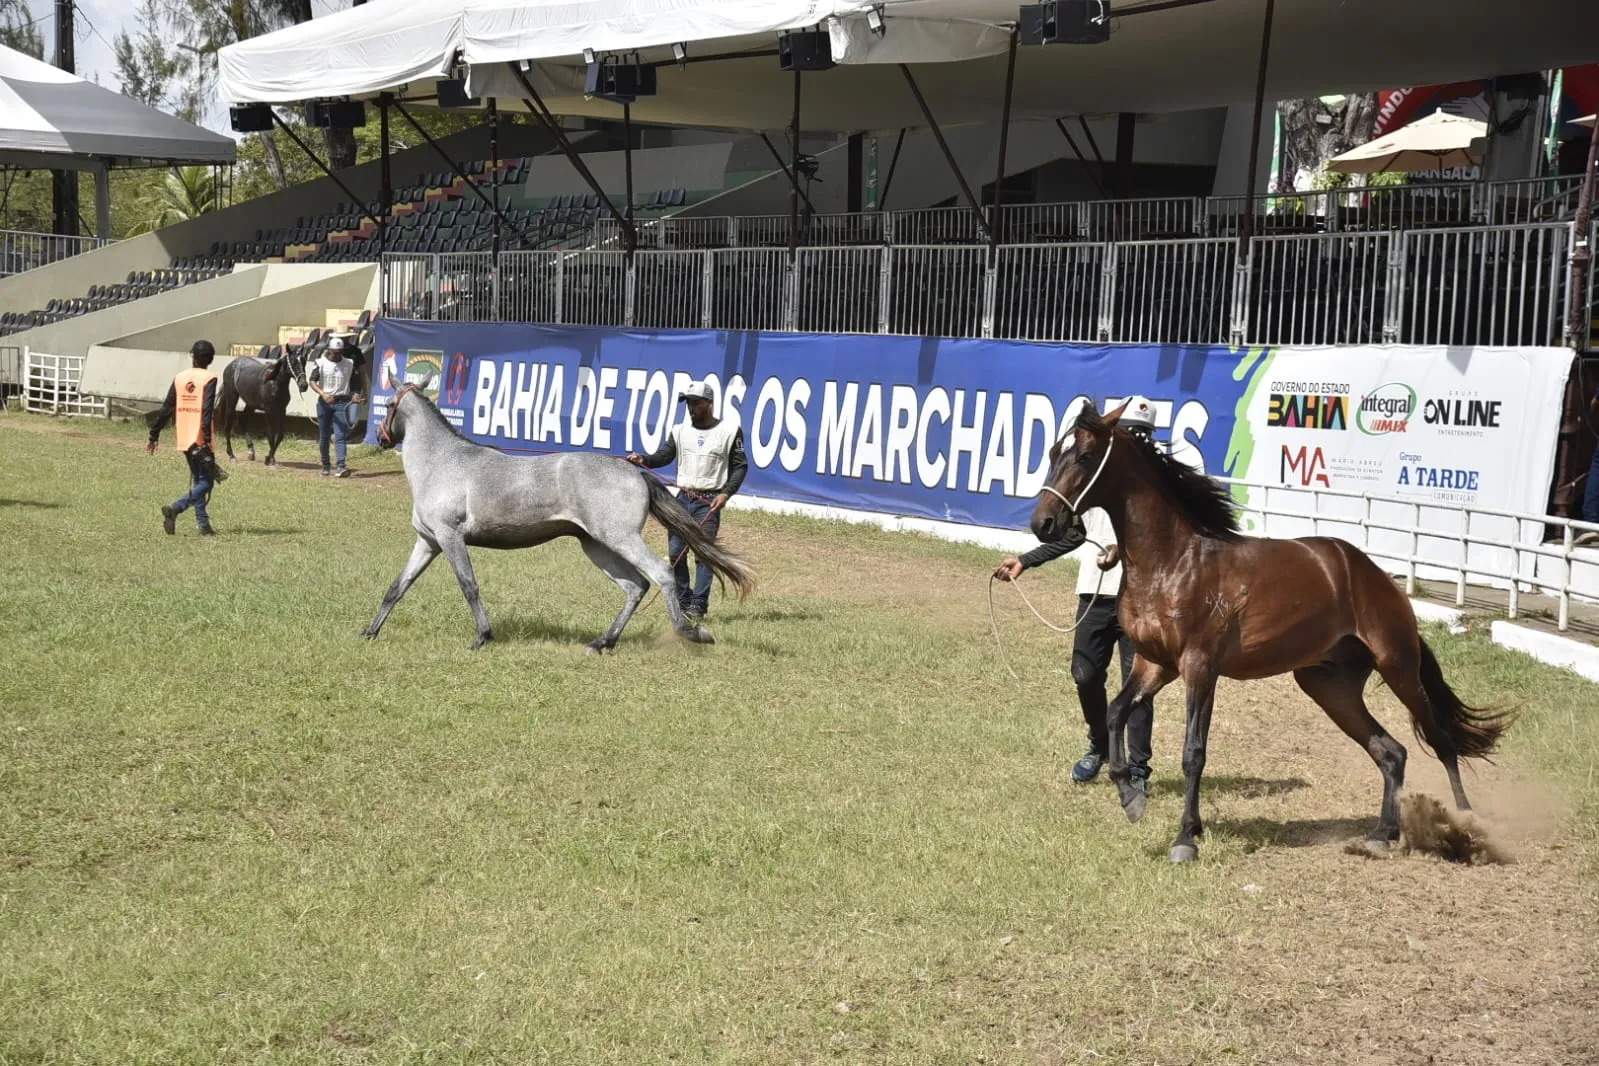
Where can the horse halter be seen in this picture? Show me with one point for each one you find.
(1070, 506)
(394, 405)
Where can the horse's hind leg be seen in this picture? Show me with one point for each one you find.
(1339, 686)
(627, 577)
(274, 437)
(421, 555)
(631, 547)
(249, 441)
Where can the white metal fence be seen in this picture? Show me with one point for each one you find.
(1485, 285)
(21, 251)
(1518, 552)
(51, 386)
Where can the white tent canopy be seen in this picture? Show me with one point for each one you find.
(50, 119)
(1165, 60)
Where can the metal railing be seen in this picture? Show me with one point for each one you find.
(20, 251)
(1490, 285)
(51, 387)
(1322, 291)
(1418, 540)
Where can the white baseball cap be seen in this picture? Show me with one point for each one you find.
(697, 390)
(1137, 413)
(336, 344)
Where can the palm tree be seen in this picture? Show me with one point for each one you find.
(185, 193)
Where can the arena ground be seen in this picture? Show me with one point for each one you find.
(235, 833)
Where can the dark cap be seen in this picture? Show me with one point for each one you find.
(203, 348)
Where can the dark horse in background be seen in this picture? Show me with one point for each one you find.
(262, 385)
(1202, 601)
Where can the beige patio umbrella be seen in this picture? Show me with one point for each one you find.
(1439, 140)
(1584, 121)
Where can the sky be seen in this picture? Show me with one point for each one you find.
(99, 22)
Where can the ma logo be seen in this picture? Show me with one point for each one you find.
(1307, 464)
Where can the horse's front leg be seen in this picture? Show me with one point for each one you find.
(454, 548)
(1146, 679)
(274, 436)
(421, 555)
(1200, 680)
(249, 441)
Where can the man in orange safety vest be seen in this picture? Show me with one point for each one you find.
(192, 398)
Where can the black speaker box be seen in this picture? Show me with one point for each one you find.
(1030, 23)
(805, 50)
(338, 114)
(1077, 22)
(452, 93)
(251, 118)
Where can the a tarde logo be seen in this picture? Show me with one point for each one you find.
(1414, 474)
(1308, 465)
(1386, 409)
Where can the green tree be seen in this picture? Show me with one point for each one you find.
(152, 72)
(18, 30)
(183, 194)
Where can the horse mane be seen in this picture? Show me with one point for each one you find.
(438, 416)
(1206, 502)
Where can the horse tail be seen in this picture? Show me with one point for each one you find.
(724, 564)
(1450, 725)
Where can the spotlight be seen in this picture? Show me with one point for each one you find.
(680, 52)
(588, 56)
(874, 19)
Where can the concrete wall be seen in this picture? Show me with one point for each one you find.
(1232, 164)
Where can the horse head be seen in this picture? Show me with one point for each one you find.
(1075, 480)
(392, 429)
(295, 359)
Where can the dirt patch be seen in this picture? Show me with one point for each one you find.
(1430, 828)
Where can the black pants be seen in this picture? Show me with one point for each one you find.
(1098, 637)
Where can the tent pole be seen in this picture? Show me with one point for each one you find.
(535, 104)
(949, 157)
(1582, 249)
(1004, 137)
(1246, 231)
(793, 174)
(455, 168)
(494, 176)
(1060, 124)
(323, 167)
(893, 163)
(627, 152)
(1099, 157)
(102, 201)
(385, 186)
(782, 164)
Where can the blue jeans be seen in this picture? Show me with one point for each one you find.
(333, 419)
(1590, 495)
(697, 599)
(199, 490)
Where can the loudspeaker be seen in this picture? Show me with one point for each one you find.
(805, 50)
(1030, 23)
(452, 93)
(337, 114)
(251, 118)
(619, 81)
(1077, 22)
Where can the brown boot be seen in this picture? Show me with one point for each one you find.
(207, 531)
(169, 519)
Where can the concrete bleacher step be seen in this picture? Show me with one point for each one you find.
(342, 318)
(295, 335)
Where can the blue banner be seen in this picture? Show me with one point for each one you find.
(947, 429)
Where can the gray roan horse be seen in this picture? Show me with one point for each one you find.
(465, 494)
(263, 385)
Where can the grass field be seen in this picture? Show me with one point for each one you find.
(234, 833)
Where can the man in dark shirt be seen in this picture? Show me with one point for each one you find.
(711, 465)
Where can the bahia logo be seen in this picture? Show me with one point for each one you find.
(1386, 409)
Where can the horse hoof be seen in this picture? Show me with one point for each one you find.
(1181, 853)
(482, 639)
(1377, 849)
(249, 457)
(1136, 806)
(596, 647)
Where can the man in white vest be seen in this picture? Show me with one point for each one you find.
(711, 465)
(1099, 633)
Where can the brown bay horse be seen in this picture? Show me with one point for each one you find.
(1201, 601)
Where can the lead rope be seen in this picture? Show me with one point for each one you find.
(1015, 583)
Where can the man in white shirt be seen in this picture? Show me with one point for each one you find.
(711, 465)
(337, 381)
(1099, 634)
